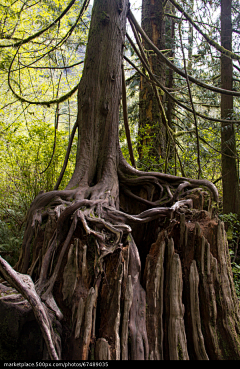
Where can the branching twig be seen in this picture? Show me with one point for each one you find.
(39, 33)
(155, 80)
(213, 43)
(44, 103)
(174, 67)
(55, 129)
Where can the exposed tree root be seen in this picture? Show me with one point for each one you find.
(24, 285)
(87, 273)
(126, 173)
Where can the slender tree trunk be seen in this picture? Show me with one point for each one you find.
(229, 170)
(152, 132)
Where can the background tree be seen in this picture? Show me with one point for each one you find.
(230, 177)
(152, 131)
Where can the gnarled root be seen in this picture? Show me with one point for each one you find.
(24, 285)
(87, 269)
(130, 178)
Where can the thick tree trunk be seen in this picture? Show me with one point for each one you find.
(92, 275)
(230, 180)
(99, 98)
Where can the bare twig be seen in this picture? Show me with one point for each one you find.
(174, 67)
(39, 33)
(155, 80)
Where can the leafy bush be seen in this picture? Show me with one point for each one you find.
(24, 156)
(11, 235)
(232, 226)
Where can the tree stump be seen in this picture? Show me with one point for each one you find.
(182, 306)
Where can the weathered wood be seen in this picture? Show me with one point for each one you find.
(154, 270)
(110, 305)
(198, 339)
(102, 350)
(185, 308)
(176, 328)
(207, 294)
(80, 312)
(87, 328)
(137, 318)
(128, 297)
(70, 273)
(25, 286)
(228, 306)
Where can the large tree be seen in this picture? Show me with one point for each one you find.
(100, 283)
(230, 180)
(152, 132)
(155, 142)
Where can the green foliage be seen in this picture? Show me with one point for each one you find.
(24, 156)
(11, 234)
(232, 225)
(31, 152)
(236, 276)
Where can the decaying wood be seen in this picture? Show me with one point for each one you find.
(176, 328)
(182, 306)
(127, 306)
(24, 285)
(154, 274)
(137, 317)
(198, 340)
(102, 350)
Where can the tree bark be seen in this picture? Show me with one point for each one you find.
(230, 178)
(152, 132)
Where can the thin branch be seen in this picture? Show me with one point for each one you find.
(55, 130)
(213, 43)
(64, 39)
(39, 33)
(24, 285)
(67, 155)
(125, 116)
(52, 68)
(235, 66)
(174, 67)
(64, 97)
(46, 103)
(176, 100)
